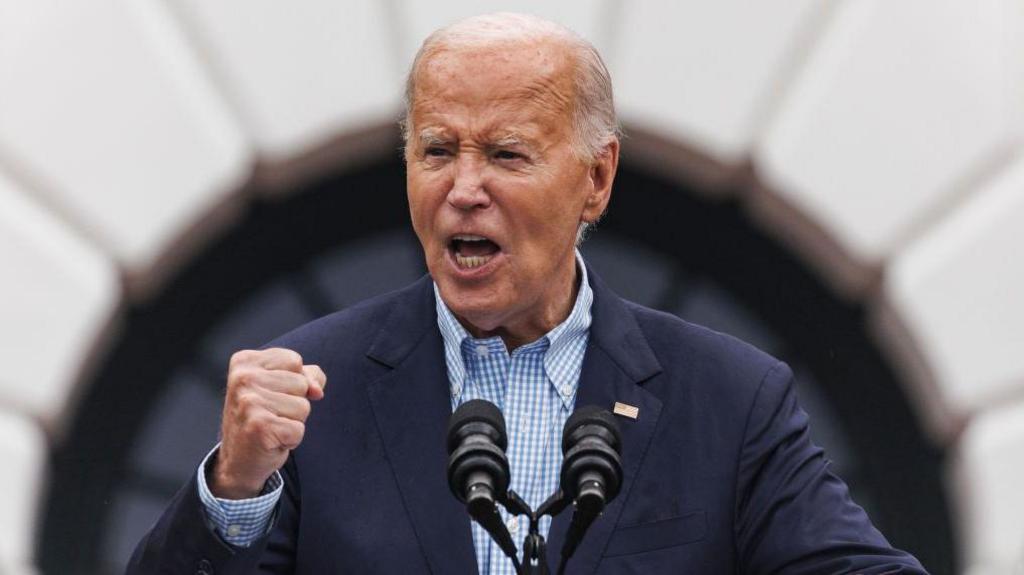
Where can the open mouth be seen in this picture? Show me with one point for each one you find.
(472, 251)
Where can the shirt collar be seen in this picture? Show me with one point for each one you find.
(563, 358)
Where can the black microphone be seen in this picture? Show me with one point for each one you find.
(591, 471)
(478, 471)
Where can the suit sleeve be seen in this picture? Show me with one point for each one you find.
(793, 516)
(182, 542)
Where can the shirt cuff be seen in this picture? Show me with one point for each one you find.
(239, 522)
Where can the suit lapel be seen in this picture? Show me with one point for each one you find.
(411, 405)
(618, 358)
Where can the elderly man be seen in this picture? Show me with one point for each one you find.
(511, 153)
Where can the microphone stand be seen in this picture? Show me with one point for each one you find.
(534, 547)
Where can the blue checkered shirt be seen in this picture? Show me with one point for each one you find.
(239, 521)
(535, 388)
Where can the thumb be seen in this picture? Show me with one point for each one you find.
(317, 381)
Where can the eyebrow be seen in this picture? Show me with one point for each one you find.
(510, 140)
(432, 137)
(435, 137)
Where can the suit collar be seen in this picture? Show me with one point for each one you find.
(408, 318)
(615, 330)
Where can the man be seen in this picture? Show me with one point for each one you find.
(511, 152)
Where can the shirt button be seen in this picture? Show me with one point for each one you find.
(456, 390)
(234, 530)
(566, 390)
(513, 525)
(482, 350)
(524, 426)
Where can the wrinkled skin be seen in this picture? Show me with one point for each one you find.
(490, 154)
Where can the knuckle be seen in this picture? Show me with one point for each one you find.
(288, 357)
(249, 429)
(293, 359)
(246, 401)
(255, 423)
(241, 357)
(243, 377)
(269, 441)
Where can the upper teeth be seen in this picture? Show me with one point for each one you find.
(468, 238)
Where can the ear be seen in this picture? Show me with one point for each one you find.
(602, 174)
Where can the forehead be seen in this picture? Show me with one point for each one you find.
(494, 85)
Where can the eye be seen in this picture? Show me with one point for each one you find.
(435, 152)
(507, 155)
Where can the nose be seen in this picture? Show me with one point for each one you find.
(467, 191)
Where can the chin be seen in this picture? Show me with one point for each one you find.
(479, 309)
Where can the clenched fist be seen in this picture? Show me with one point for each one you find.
(265, 410)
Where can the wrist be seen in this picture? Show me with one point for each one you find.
(224, 484)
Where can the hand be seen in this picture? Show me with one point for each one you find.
(265, 410)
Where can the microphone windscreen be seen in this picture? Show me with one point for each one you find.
(590, 415)
(477, 411)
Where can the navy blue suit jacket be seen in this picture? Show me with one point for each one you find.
(720, 474)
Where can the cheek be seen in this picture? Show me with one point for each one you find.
(547, 230)
(557, 212)
(421, 223)
(553, 219)
(424, 200)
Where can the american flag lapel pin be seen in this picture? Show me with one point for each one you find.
(625, 410)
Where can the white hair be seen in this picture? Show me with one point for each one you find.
(593, 109)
